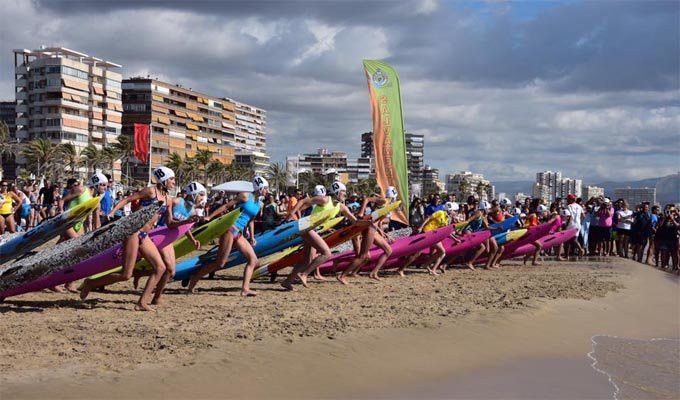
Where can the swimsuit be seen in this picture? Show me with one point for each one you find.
(249, 210)
(6, 207)
(85, 196)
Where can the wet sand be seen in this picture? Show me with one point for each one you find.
(388, 339)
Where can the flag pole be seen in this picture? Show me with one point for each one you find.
(150, 146)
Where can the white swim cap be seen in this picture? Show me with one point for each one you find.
(564, 212)
(338, 187)
(259, 183)
(506, 201)
(162, 174)
(391, 192)
(319, 190)
(452, 206)
(194, 188)
(541, 208)
(98, 178)
(484, 205)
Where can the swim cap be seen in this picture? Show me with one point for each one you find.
(162, 174)
(319, 190)
(338, 187)
(506, 202)
(391, 192)
(259, 183)
(98, 178)
(452, 206)
(484, 205)
(541, 208)
(194, 188)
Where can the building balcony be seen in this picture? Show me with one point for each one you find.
(21, 82)
(21, 95)
(21, 121)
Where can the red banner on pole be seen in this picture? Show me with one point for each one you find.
(142, 142)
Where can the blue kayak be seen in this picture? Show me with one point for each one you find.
(505, 225)
(267, 243)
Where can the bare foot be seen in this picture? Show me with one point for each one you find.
(58, 289)
(303, 278)
(71, 287)
(248, 293)
(143, 307)
(342, 279)
(375, 277)
(401, 273)
(191, 285)
(135, 282)
(85, 291)
(319, 277)
(287, 285)
(536, 264)
(472, 267)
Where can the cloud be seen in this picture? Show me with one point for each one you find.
(505, 89)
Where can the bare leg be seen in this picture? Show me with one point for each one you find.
(246, 249)
(361, 258)
(408, 262)
(438, 254)
(482, 247)
(493, 248)
(225, 244)
(538, 247)
(168, 256)
(324, 252)
(387, 252)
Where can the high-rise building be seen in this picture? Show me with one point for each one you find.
(415, 147)
(67, 97)
(551, 185)
(635, 196)
(359, 169)
(466, 183)
(592, 191)
(430, 181)
(184, 121)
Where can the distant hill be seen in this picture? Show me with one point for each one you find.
(667, 187)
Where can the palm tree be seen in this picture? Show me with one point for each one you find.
(70, 158)
(202, 159)
(126, 149)
(216, 171)
(92, 157)
(277, 174)
(110, 154)
(41, 155)
(7, 147)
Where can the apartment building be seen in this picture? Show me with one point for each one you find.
(551, 185)
(592, 191)
(466, 183)
(184, 121)
(67, 96)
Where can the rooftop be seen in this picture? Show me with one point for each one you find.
(63, 52)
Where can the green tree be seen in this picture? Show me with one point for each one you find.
(69, 157)
(277, 175)
(93, 158)
(202, 159)
(110, 154)
(217, 172)
(41, 154)
(8, 148)
(126, 149)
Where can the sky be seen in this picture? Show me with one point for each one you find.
(501, 88)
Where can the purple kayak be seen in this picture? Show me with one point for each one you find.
(548, 241)
(111, 258)
(467, 242)
(400, 248)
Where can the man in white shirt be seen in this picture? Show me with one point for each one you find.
(575, 217)
(575, 213)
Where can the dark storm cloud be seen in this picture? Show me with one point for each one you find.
(578, 86)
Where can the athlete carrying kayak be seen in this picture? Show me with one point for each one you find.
(139, 243)
(315, 248)
(250, 208)
(374, 234)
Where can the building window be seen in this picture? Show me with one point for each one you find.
(134, 107)
(112, 83)
(54, 82)
(112, 130)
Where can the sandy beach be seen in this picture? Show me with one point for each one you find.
(398, 338)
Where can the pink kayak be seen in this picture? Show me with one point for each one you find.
(111, 258)
(548, 241)
(467, 242)
(400, 248)
(534, 233)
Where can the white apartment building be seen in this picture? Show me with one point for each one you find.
(550, 185)
(67, 96)
(466, 183)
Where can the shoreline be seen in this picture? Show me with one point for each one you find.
(444, 341)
